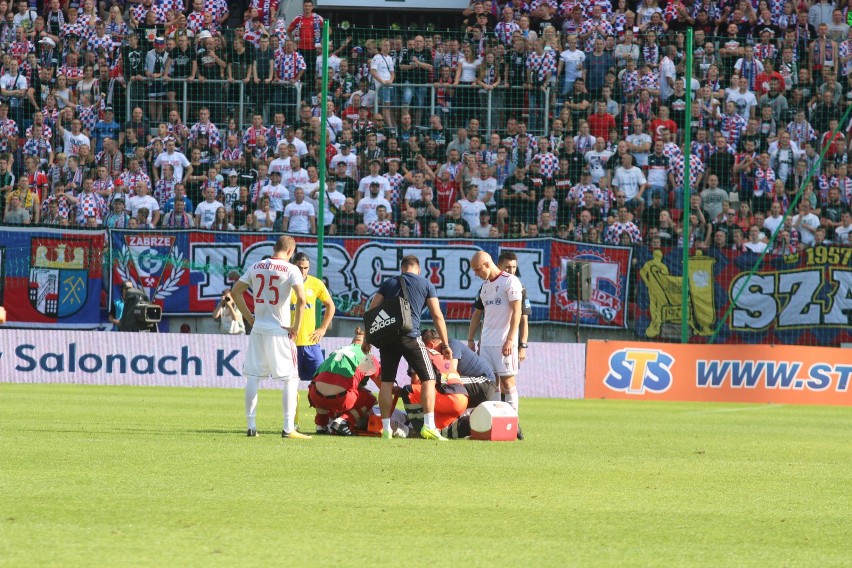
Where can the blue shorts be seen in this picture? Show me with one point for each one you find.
(385, 94)
(310, 358)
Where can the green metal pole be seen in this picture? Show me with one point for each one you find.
(687, 151)
(321, 166)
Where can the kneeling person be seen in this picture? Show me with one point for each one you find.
(337, 392)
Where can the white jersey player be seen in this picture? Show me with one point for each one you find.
(501, 296)
(272, 351)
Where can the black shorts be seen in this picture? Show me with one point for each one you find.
(413, 351)
(479, 390)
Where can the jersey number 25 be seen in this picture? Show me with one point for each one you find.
(270, 288)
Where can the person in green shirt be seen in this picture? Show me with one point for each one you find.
(338, 392)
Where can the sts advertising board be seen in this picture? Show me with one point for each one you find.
(723, 373)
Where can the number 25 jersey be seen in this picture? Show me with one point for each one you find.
(271, 281)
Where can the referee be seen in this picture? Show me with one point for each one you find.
(421, 293)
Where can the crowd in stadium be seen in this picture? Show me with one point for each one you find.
(551, 118)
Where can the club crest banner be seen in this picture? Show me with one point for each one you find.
(610, 275)
(51, 277)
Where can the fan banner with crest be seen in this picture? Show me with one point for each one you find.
(51, 278)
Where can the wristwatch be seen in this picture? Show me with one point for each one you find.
(522, 345)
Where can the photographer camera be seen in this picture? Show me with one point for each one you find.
(229, 318)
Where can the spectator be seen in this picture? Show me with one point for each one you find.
(264, 216)
(205, 212)
(410, 222)
(425, 208)
(299, 216)
(15, 214)
(622, 225)
(178, 218)
(367, 205)
(229, 317)
(381, 226)
(713, 197)
(453, 225)
(755, 244)
(630, 179)
(382, 69)
(843, 233)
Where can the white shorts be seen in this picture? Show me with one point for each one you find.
(503, 366)
(270, 356)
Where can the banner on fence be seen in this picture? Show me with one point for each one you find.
(610, 271)
(195, 360)
(51, 277)
(796, 299)
(718, 373)
(187, 271)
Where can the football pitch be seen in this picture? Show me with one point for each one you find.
(122, 476)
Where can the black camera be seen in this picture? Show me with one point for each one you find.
(139, 314)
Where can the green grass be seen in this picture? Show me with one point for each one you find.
(120, 476)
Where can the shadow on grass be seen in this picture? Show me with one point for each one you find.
(177, 431)
(142, 431)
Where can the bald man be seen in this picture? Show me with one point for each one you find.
(501, 299)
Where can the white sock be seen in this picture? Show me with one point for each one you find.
(386, 427)
(251, 402)
(512, 397)
(289, 398)
(429, 419)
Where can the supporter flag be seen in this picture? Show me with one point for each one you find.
(610, 275)
(51, 277)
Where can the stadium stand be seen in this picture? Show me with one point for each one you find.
(541, 119)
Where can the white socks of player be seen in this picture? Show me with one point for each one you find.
(289, 399)
(386, 425)
(429, 419)
(251, 402)
(511, 397)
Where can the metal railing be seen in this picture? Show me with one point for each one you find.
(225, 99)
(456, 104)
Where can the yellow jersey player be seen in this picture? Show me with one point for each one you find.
(307, 339)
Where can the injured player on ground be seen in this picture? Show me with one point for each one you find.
(466, 382)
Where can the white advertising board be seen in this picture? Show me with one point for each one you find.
(197, 360)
